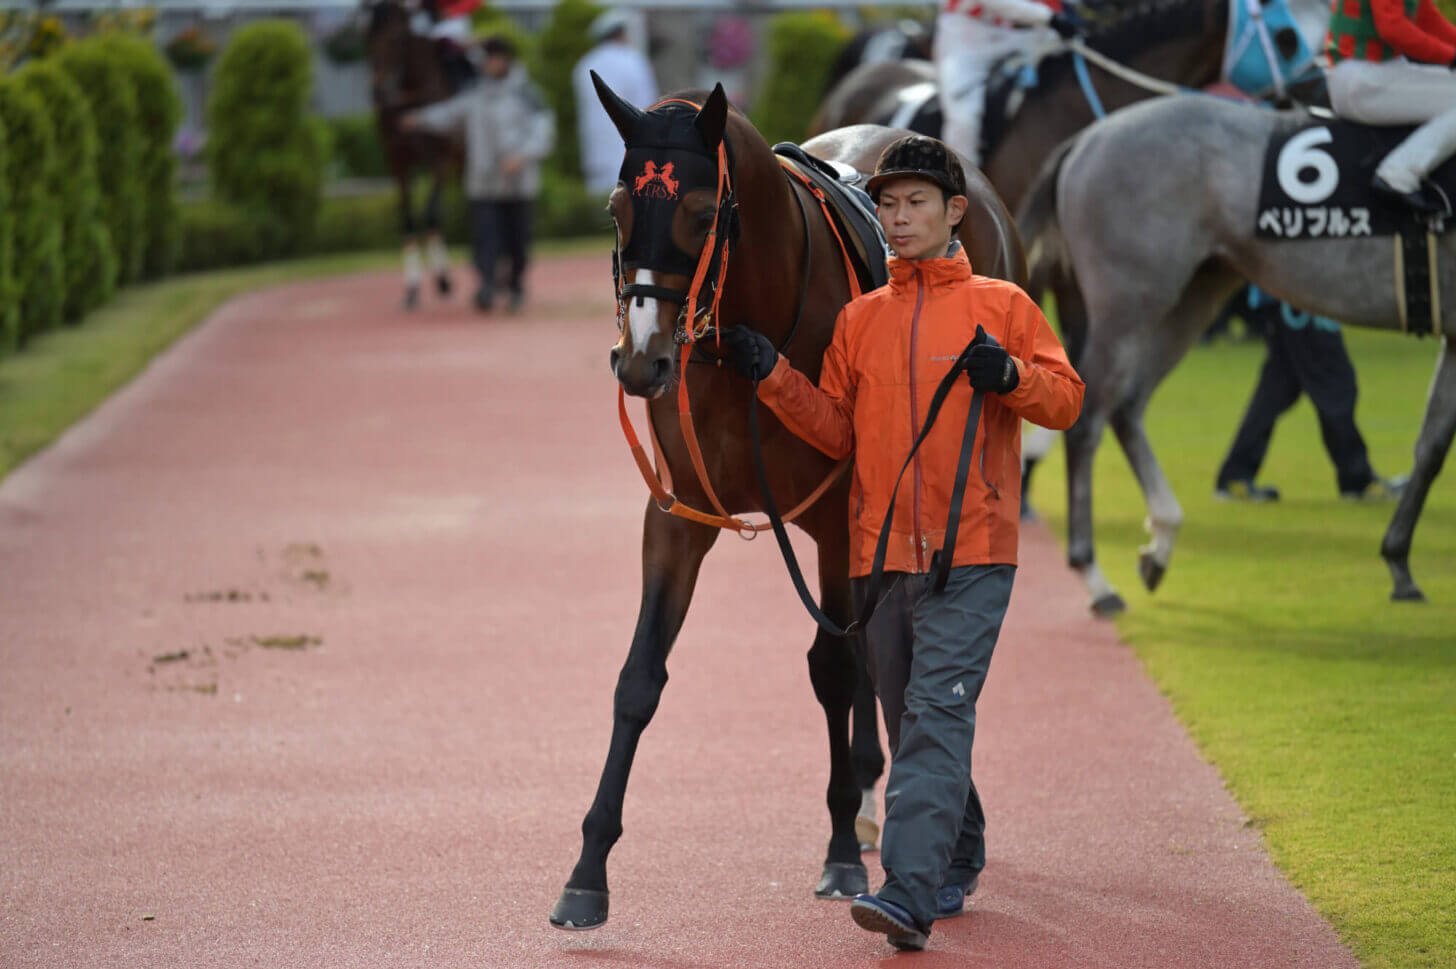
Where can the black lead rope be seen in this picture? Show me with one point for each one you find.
(940, 561)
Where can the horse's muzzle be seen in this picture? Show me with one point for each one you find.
(642, 374)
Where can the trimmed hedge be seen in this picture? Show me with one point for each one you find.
(564, 41)
(159, 108)
(265, 154)
(38, 284)
(109, 91)
(801, 52)
(89, 261)
(9, 301)
(358, 152)
(217, 234)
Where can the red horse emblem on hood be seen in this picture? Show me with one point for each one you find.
(655, 183)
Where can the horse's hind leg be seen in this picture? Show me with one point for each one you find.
(1437, 430)
(868, 758)
(1082, 440)
(834, 670)
(672, 551)
(1165, 515)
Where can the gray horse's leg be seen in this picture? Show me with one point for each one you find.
(1165, 515)
(434, 236)
(672, 551)
(1082, 441)
(834, 671)
(1437, 430)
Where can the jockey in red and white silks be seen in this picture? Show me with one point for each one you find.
(970, 37)
(1394, 62)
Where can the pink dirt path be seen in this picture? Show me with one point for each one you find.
(443, 507)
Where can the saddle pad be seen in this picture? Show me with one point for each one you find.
(851, 209)
(1316, 181)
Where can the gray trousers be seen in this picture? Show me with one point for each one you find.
(928, 657)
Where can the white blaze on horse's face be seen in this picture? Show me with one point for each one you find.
(642, 319)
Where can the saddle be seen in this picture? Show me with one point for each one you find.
(851, 209)
(1316, 184)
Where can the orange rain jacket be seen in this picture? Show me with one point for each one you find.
(891, 347)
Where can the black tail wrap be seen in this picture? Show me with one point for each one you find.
(940, 561)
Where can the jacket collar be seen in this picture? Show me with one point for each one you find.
(953, 267)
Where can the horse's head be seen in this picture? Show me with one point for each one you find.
(665, 206)
(387, 38)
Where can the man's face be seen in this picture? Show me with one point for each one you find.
(497, 65)
(918, 218)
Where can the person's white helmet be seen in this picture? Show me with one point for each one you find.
(608, 23)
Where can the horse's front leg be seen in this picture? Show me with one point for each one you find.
(438, 256)
(1437, 430)
(407, 227)
(672, 551)
(834, 670)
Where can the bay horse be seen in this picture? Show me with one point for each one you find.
(406, 74)
(774, 229)
(1154, 209)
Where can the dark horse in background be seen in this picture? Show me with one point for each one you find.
(905, 39)
(406, 74)
(767, 287)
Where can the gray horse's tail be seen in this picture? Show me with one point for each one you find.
(1050, 267)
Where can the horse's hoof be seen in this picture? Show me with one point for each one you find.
(1407, 592)
(579, 909)
(411, 297)
(443, 285)
(842, 881)
(1150, 570)
(1109, 605)
(867, 830)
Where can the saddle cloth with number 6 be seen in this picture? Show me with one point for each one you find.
(1316, 181)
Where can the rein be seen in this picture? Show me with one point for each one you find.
(690, 330)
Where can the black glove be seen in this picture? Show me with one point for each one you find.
(1066, 25)
(989, 367)
(748, 351)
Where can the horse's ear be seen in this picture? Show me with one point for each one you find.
(713, 119)
(625, 116)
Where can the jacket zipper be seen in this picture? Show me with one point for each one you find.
(918, 537)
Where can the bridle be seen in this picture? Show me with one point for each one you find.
(698, 314)
(694, 318)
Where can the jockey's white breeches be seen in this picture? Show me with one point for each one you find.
(1400, 92)
(965, 51)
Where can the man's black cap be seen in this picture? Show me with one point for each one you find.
(498, 45)
(916, 156)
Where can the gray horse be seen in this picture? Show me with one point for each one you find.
(1153, 210)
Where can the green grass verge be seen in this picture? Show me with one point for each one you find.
(1329, 710)
(62, 375)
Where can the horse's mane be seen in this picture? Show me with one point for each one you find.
(381, 14)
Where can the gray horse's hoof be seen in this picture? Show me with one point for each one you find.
(1109, 605)
(411, 297)
(1150, 570)
(1407, 592)
(842, 881)
(579, 909)
(443, 284)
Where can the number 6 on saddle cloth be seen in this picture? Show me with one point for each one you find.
(943, 558)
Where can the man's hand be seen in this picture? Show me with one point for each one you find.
(1065, 25)
(988, 366)
(748, 351)
(408, 122)
(512, 165)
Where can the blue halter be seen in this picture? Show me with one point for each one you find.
(1252, 62)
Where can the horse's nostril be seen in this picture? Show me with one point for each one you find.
(659, 369)
(615, 357)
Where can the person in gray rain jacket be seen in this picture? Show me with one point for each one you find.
(508, 130)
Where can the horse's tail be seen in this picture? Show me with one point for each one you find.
(1049, 264)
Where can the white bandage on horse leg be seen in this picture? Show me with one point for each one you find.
(439, 255)
(412, 269)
